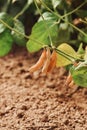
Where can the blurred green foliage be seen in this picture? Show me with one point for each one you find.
(65, 15)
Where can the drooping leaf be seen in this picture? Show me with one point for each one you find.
(61, 60)
(79, 75)
(18, 38)
(40, 35)
(7, 19)
(6, 41)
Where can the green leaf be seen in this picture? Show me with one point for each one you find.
(80, 49)
(2, 28)
(29, 2)
(63, 33)
(18, 38)
(47, 3)
(48, 16)
(79, 75)
(81, 37)
(81, 13)
(61, 60)
(13, 1)
(85, 55)
(7, 19)
(55, 3)
(6, 41)
(59, 4)
(81, 64)
(40, 35)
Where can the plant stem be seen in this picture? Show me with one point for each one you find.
(71, 12)
(12, 29)
(64, 55)
(69, 57)
(22, 11)
(83, 21)
(44, 22)
(61, 17)
(50, 9)
(27, 37)
(6, 6)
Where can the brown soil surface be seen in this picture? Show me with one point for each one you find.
(36, 101)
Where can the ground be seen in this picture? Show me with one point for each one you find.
(36, 101)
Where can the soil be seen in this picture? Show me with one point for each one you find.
(38, 101)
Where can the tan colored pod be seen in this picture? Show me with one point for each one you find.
(71, 84)
(47, 61)
(39, 63)
(52, 61)
(69, 79)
